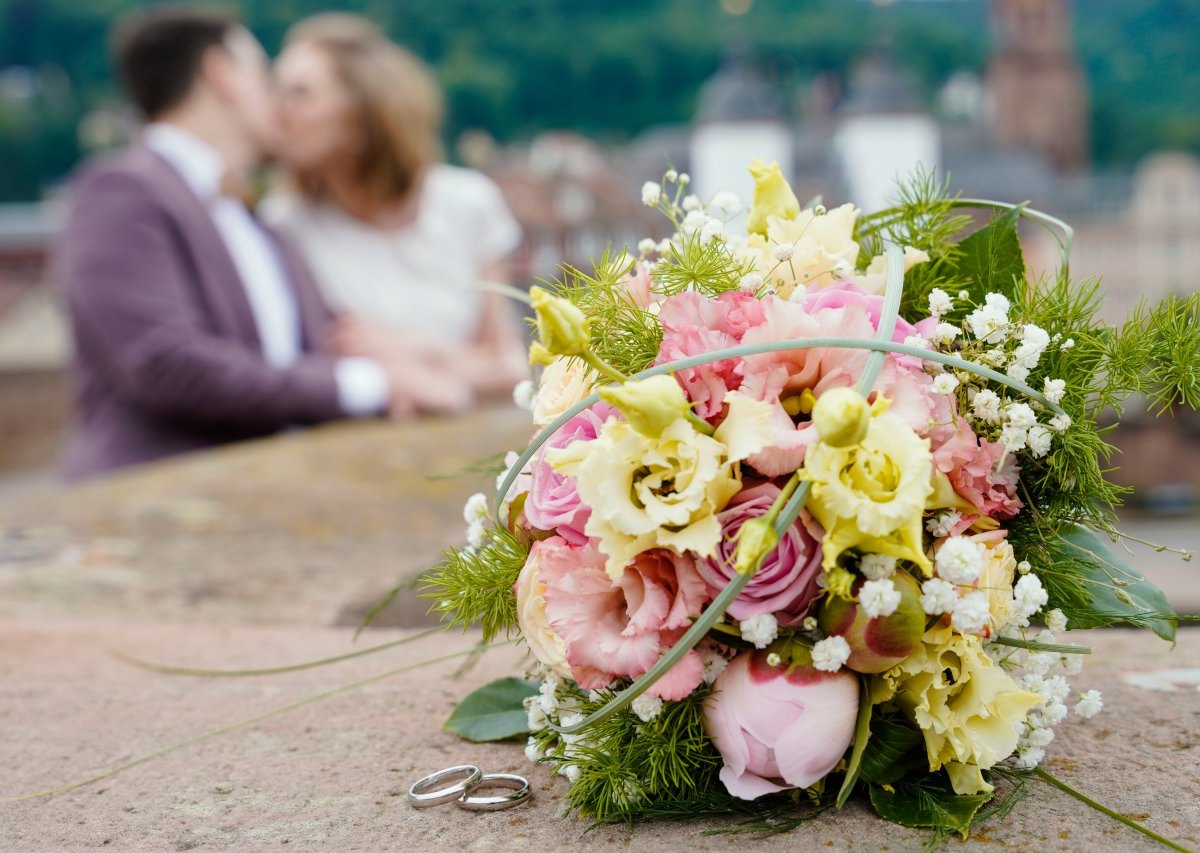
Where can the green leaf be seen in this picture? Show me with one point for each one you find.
(990, 260)
(891, 742)
(495, 711)
(927, 805)
(862, 734)
(1117, 591)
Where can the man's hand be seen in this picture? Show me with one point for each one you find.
(420, 370)
(417, 389)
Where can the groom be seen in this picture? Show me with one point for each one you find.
(193, 324)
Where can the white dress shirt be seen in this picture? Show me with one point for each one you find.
(362, 383)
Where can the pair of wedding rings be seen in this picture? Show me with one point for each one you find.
(463, 780)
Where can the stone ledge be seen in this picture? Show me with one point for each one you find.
(333, 774)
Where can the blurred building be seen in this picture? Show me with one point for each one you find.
(1018, 134)
(572, 198)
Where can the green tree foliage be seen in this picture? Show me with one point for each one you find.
(613, 69)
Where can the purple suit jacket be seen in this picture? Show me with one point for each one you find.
(167, 356)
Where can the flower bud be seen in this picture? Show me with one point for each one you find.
(562, 327)
(756, 539)
(650, 405)
(841, 417)
(772, 197)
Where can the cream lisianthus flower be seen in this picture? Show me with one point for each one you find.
(662, 491)
(810, 248)
(544, 642)
(871, 496)
(794, 249)
(874, 280)
(966, 706)
(565, 382)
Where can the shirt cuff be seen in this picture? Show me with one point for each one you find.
(362, 386)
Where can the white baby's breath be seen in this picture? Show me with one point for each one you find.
(1054, 389)
(1039, 440)
(830, 654)
(945, 383)
(971, 613)
(524, 395)
(646, 707)
(1029, 595)
(760, 630)
(938, 596)
(877, 566)
(651, 194)
(986, 406)
(879, 598)
(1089, 705)
(959, 561)
(940, 303)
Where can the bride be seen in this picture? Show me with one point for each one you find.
(398, 240)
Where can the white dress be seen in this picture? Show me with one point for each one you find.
(422, 276)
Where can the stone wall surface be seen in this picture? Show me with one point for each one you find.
(333, 774)
(267, 553)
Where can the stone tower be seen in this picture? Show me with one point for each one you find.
(1036, 89)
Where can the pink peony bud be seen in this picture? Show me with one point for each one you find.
(779, 727)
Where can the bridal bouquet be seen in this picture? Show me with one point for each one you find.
(813, 499)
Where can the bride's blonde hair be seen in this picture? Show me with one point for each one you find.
(397, 105)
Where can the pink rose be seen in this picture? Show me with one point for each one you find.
(553, 503)
(614, 629)
(786, 584)
(975, 469)
(779, 727)
(695, 324)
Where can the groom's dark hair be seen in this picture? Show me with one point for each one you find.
(158, 53)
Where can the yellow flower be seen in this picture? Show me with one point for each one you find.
(650, 405)
(996, 579)
(662, 491)
(564, 382)
(562, 327)
(773, 197)
(841, 416)
(872, 495)
(966, 706)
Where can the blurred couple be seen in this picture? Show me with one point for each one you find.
(351, 292)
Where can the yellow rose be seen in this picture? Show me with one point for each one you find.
(662, 491)
(966, 706)
(773, 197)
(872, 495)
(996, 579)
(544, 642)
(564, 382)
